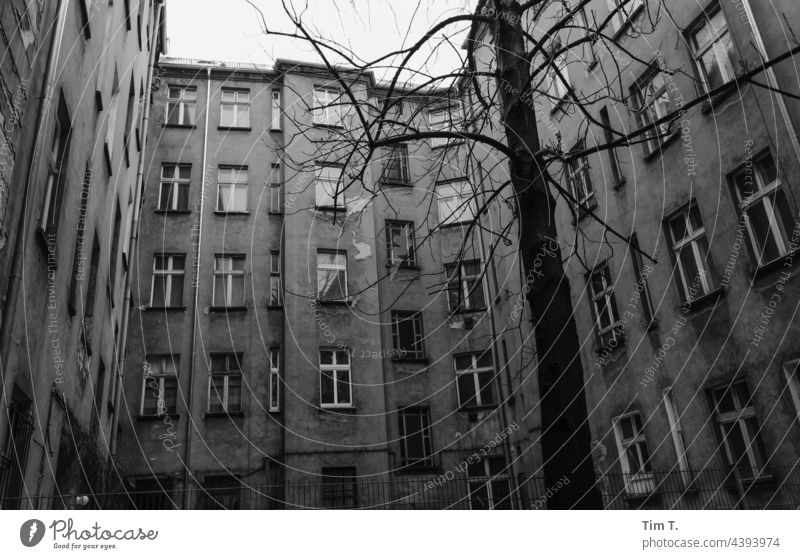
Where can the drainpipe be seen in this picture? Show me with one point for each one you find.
(137, 212)
(773, 81)
(34, 161)
(196, 278)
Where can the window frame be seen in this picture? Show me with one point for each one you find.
(335, 368)
(235, 183)
(238, 358)
(58, 161)
(408, 462)
(756, 458)
(648, 109)
(414, 320)
(603, 271)
(641, 482)
(329, 480)
(678, 440)
(487, 480)
(475, 371)
(577, 173)
(396, 156)
(466, 204)
(324, 199)
(400, 226)
(275, 110)
(623, 16)
(275, 284)
(163, 374)
(239, 107)
(456, 273)
(332, 267)
(331, 113)
(691, 237)
(170, 272)
(181, 103)
(274, 360)
(174, 185)
(229, 276)
(698, 51)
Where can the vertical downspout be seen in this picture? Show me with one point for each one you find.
(137, 212)
(773, 81)
(190, 399)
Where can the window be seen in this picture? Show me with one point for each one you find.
(336, 390)
(275, 291)
(792, 372)
(91, 290)
(465, 287)
(675, 429)
(232, 189)
(57, 163)
(396, 169)
(221, 492)
(634, 458)
(331, 276)
(112, 269)
(330, 187)
(604, 306)
(762, 199)
(625, 9)
(275, 177)
(442, 120)
(641, 275)
(19, 431)
(407, 335)
(173, 193)
(78, 255)
(129, 119)
(86, 16)
(475, 379)
(613, 160)
(327, 107)
(738, 428)
(235, 108)
(225, 383)
(489, 484)
(712, 49)
(416, 447)
(558, 85)
(457, 202)
(578, 179)
(181, 105)
(228, 281)
(400, 244)
(652, 103)
(339, 488)
(690, 248)
(160, 386)
(274, 379)
(275, 115)
(168, 272)
(111, 128)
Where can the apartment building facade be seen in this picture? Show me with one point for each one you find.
(690, 330)
(74, 89)
(306, 335)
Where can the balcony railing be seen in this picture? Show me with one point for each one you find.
(709, 489)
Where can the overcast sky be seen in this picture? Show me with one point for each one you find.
(230, 30)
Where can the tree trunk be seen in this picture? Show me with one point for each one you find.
(566, 439)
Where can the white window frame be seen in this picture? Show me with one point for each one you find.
(649, 109)
(443, 119)
(456, 272)
(167, 366)
(418, 333)
(396, 154)
(410, 259)
(330, 190)
(487, 479)
(240, 105)
(238, 181)
(227, 374)
(172, 274)
(274, 357)
(579, 179)
(558, 87)
(714, 42)
(464, 211)
(603, 270)
(174, 182)
(475, 371)
(182, 103)
(275, 285)
(424, 413)
(335, 368)
(692, 237)
(678, 440)
(229, 274)
(641, 482)
(327, 107)
(275, 110)
(739, 416)
(624, 15)
(336, 267)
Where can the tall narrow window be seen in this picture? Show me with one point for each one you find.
(641, 275)
(228, 281)
(712, 49)
(275, 187)
(676, 431)
(792, 372)
(579, 180)
(409, 340)
(558, 78)
(99, 391)
(489, 484)
(327, 107)
(738, 429)
(339, 488)
(225, 383)
(111, 127)
(168, 274)
(181, 105)
(766, 210)
(465, 286)
(275, 290)
(129, 119)
(79, 254)
(634, 457)
(443, 120)
(274, 379)
(396, 169)
(232, 189)
(112, 270)
(604, 306)
(608, 137)
(400, 243)
(335, 387)
(416, 447)
(652, 104)
(57, 159)
(690, 249)
(331, 276)
(173, 194)
(475, 379)
(330, 188)
(160, 385)
(275, 116)
(457, 202)
(91, 290)
(235, 108)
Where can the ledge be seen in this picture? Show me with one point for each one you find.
(213, 414)
(454, 224)
(275, 307)
(665, 143)
(224, 213)
(708, 105)
(172, 416)
(184, 126)
(420, 360)
(239, 308)
(336, 209)
(333, 303)
(347, 410)
(619, 184)
(584, 208)
(627, 23)
(788, 261)
(411, 267)
(399, 184)
(180, 308)
(704, 301)
(322, 126)
(171, 212)
(235, 128)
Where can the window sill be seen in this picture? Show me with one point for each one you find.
(450, 143)
(474, 409)
(337, 209)
(454, 224)
(651, 326)
(666, 142)
(349, 409)
(619, 184)
(403, 266)
(785, 261)
(274, 212)
(272, 411)
(275, 307)
(323, 126)
(278, 130)
(558, 106)
(585, 208)
(708, 105)
(213, 414)
(705, 301)
(172, 212)
(627, 24)
(172, 416)
(235, 128)
(224, 213)
(240, 308)
(460, 312)
(184, 126)
(402, 359)
(609, 349)
(397, 183)
(181, 308)
(417, 469)
(333, 302)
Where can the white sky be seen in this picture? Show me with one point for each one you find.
(230, 29)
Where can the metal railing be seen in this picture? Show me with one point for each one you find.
(709, 489)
